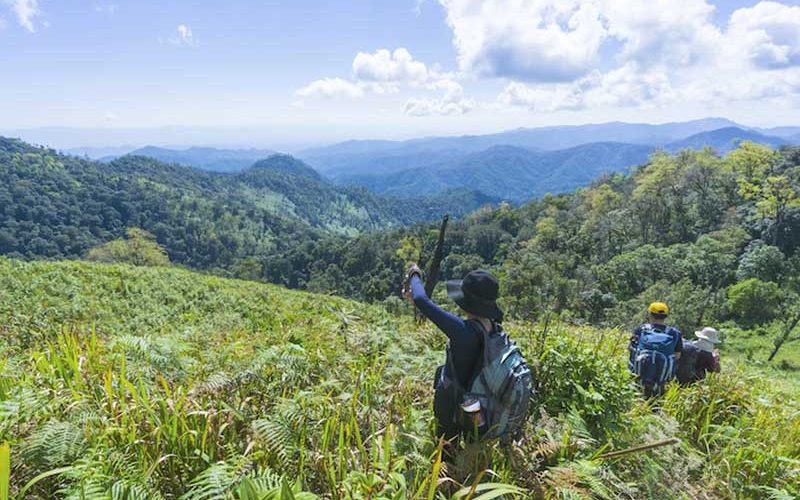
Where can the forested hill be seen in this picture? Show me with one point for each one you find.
(52, 205)
(727, 138)
(717, 237)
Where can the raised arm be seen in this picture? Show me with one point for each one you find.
(454, 327)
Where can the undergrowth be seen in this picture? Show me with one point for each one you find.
(120, 382)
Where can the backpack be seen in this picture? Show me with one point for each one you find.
(503, 385)
(654, 358)
(686, 372)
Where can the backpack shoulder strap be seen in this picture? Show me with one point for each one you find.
(483, 359)
(643, 330)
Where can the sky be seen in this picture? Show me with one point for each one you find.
(264, 72)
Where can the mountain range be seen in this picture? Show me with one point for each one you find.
(521, 171)
(509, 172)
(515, 165)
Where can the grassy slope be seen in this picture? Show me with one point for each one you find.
(165, 382)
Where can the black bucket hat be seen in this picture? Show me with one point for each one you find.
(477, 294)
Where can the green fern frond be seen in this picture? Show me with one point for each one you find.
(579, 427)
(776, 494)
(55, 444)
(211, 484)
(276, 436)
(125, 490)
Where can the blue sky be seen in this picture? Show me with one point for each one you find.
(262, 72)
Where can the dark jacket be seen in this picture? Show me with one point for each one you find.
(465, 341)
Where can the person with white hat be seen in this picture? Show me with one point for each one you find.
(700, 356)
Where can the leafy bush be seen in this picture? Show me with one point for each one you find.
(587, 373)
(761, 261)
(753, 302)
(138, 248)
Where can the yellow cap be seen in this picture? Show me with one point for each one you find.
(659, 308)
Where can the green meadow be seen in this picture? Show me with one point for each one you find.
(123, 382)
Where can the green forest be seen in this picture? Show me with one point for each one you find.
(56, 206)
(142, 354)
(715, 236)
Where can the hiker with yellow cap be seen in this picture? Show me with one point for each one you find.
(699, 357)
(654, 349)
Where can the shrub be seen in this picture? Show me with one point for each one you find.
(764, 262)
(587, 374)
(138, 248)
(753, 302)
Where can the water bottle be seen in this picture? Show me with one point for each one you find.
(472, 407)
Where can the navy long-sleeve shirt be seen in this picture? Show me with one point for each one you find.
(465, 340)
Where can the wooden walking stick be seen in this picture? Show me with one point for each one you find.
(436, 262)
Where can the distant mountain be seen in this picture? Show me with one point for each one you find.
(354, 157)
(790, 133)
(344, 166)
(510, 172)
(725, 139)
(211, 159)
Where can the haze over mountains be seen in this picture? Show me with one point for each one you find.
(514, 165)
(204, 158)
(524, 163)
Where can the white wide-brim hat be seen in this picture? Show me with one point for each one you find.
(709, 334)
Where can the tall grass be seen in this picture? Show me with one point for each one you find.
(119, 382)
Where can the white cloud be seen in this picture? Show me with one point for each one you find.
(103, 8)
(2, 23)
(768, 34)
(553, 55)
(329, 88)
(389, 67)
(452, 102)
(426, 107)
(676, 32)
(26, 12)
(388, 72)
(184, 36)
(667, 52)
(546, 40)
(628, 85)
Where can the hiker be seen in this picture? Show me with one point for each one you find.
(482, 390)
(699, 357)
(654, 348)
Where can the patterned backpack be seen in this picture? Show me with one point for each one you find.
(503, 385)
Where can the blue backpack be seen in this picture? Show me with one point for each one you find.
(653, 360)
